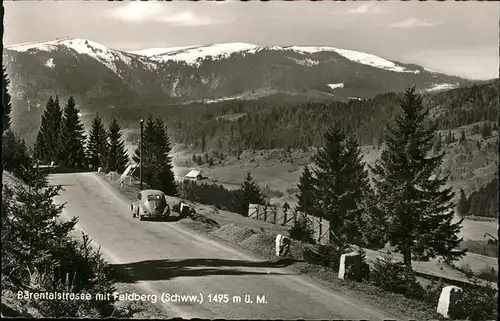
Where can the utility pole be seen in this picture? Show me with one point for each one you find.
(142, 151)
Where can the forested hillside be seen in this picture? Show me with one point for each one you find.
(265, 125)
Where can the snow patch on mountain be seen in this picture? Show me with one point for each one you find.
(371, 60)
(159, 51)
(307, 62)
(443, 86)
(333, 86)
(354, 98)
(356, 56)
(50, 63)
(194, 55)
(212, 101)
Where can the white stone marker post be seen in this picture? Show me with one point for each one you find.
(448, 300)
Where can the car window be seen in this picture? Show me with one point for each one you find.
(154, 197)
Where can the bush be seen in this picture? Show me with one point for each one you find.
(39, 254)
(80, 269)
(433, 292)
(211, 194)
(325, 255)
(392, 276)
(15, 156)
(477, 303)
(302, 231)
(360, 271)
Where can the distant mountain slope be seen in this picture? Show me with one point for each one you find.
(212, 71)
(101, 78)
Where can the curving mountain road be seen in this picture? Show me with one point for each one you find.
(166, 257)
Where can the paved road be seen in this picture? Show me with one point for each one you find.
(167, 257)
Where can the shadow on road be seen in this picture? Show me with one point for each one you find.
(168, 269)
(166, 219)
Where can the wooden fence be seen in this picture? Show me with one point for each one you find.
(280, 216)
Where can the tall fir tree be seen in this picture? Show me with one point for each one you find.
(463, 206)
(340, 182)
(418, 208)
(6, 106)
(97, 152)
(15, 157)
(250, 193)
(164, 175)
(47, 145)
(148, 142)
(117, 154)
(72, 138)
(306, 199)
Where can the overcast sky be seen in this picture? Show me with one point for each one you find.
(456, 38)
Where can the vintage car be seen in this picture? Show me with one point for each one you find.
(150, 204)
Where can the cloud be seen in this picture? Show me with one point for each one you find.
(190, 19)
(137, 12)
(413, 23)
(364, 8)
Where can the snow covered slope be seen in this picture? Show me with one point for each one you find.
(159, 51)
(192, 55)
(93, 71)
(444, 86)
(333, 86)
(106, 56)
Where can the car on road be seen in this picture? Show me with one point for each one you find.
(150, 204)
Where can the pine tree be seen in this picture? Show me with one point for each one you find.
(340, 180)
(250, 193)
(72, 138)
(97, 144)
(117, 154)
(419, 210)
(163, 161)
(6, 107)
(306, 192)
(463, 206)
(15, 157)
(47, 145)
(148, 148)
(157, 163)
(463, 139)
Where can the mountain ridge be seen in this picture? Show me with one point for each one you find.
(223, 49)
(100, 78)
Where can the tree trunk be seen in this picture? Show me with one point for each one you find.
(407, 257)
